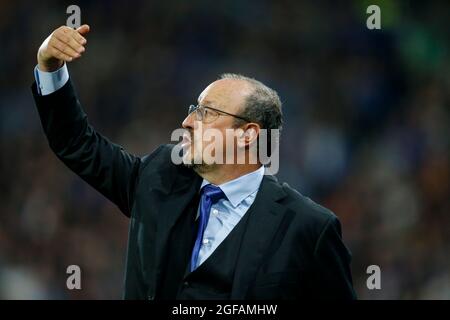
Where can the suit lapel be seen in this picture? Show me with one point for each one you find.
(265, 217)
(174, 200)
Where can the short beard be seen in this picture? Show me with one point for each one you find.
(200, 168)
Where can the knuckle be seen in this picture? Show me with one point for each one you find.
(55, 52)
(58, 46)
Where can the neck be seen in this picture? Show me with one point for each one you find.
(223, 173)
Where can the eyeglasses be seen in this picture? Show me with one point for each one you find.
(208, 114)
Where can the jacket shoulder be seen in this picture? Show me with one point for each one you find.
(159, 169)
(161, 155)
(308, 211)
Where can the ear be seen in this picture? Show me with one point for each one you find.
(249, 134)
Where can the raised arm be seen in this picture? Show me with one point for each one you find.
(104, 165)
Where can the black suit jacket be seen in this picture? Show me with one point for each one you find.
(291, 249)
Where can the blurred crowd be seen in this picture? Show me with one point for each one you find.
(366, 129)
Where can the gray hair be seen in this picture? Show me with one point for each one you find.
(262, 106)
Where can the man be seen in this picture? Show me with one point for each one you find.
(198, 230)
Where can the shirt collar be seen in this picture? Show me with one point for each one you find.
(239, 189)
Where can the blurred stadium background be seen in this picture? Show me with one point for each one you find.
(366, 127)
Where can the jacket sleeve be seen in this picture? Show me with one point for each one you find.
(333, 279)
(104, 165)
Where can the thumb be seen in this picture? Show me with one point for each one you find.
(84, 29)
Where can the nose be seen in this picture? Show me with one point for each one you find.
(188, 122)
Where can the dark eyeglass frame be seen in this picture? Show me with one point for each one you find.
(195, 108)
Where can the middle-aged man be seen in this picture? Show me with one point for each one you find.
(198, 230)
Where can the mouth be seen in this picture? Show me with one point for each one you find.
(186, 142)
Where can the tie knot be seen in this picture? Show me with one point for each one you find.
(213, 192)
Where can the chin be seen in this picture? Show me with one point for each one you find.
(200, 168)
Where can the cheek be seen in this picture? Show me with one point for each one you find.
(230, 141)
(213, 138)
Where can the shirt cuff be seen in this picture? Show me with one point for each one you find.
(49, 82)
